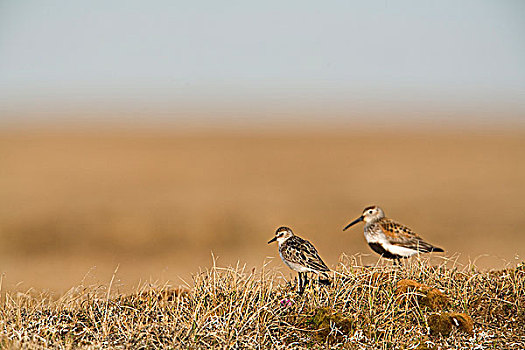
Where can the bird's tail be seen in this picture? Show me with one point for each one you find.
(425, 247)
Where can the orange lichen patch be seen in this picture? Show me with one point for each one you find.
(444, 323)
(404, 286)
(411, 290)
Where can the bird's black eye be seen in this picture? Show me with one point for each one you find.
(370, 212)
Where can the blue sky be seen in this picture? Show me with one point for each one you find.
(284, 54)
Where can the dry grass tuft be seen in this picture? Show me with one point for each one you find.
(235, 308)
(159, 294)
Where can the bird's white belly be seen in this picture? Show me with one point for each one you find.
(391, 248)
(398, 250)
(297, 267)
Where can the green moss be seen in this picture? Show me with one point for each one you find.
(424, 346)
(324, 320)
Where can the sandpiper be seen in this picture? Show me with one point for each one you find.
(389, 238)
(299, 255)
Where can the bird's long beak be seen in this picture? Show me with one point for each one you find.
(272, 240)
(359, 219)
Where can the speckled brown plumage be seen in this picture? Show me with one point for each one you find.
(301, 256)
(399, 234)
(389, 238)
(300, 251)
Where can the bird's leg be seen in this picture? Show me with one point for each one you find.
(305, 279)
(300, 282)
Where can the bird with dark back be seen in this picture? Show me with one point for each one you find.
(301, 256)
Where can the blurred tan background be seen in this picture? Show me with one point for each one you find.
(147, 135)
(159, 202)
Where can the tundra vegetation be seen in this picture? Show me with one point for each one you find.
(418, 306)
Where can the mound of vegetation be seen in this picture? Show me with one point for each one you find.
(414, 307)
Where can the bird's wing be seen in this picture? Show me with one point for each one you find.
(302, 252)
(400, 235)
